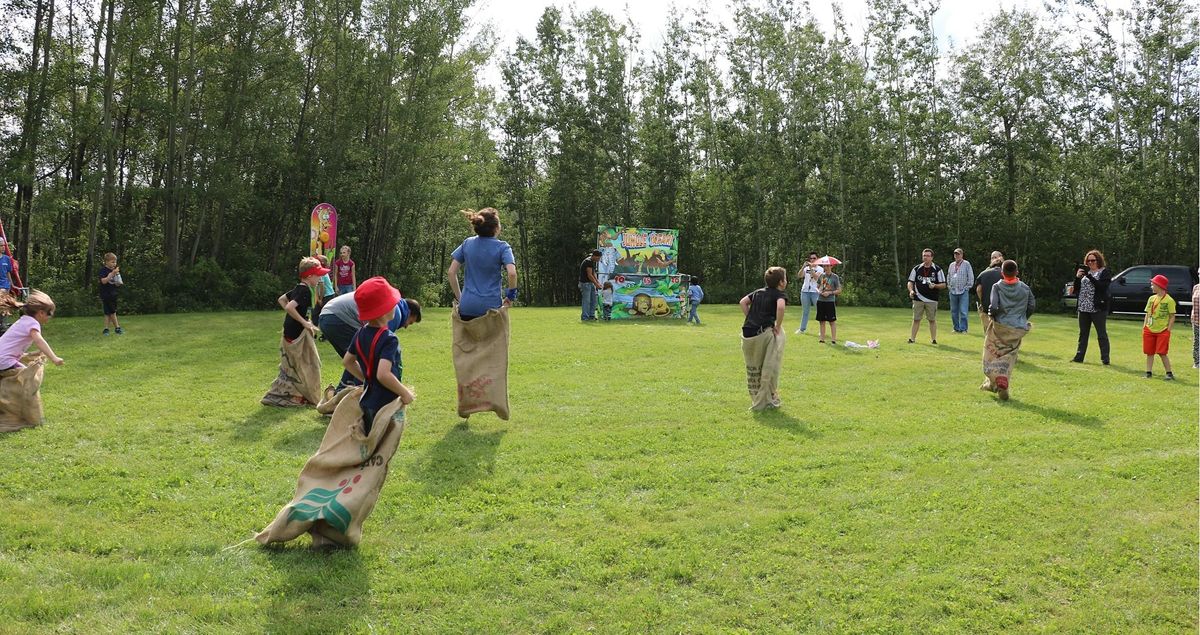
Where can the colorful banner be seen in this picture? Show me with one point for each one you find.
(641, 264)
(637, 250)
(322, 233)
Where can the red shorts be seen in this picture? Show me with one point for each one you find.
(1156, 343)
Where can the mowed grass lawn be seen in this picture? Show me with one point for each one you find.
(630, 491)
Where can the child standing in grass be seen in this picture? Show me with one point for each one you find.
(36, 312)
(829, 287)
(606, 298)
(1156, 328)
(110, 279)
(347, 276)
(695, 296)
(374, 355)
(762, 339)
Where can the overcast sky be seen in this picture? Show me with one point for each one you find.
(955, 23)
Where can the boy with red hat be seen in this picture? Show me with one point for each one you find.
(299, 379)
(374, 354)
(1156, 328)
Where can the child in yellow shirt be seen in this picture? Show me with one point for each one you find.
(1156, 328)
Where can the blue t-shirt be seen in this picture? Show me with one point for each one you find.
(483, 257)
(696, 293)
(376, 394)
(6, 267)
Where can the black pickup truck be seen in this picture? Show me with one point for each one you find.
(1131, 288)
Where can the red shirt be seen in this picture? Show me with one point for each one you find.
(344, 269)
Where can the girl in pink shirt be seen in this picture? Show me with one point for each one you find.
(37, 310)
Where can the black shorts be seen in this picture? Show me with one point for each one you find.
(827, 311)
(110, 304)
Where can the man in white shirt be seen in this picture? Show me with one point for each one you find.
(960, 280)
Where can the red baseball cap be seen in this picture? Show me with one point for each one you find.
(314, 271)
(375, 297)
(1160, 280)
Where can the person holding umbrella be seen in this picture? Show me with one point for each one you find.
(829, 287)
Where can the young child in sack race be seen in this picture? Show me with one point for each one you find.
(762, 339)
(340, 484)
(1156, 327)
(299, 379)
(374, 355)
(1011, 305)
(21, 375)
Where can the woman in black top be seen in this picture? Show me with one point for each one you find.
(1091, 288)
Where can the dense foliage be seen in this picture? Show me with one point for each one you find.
(191, 137)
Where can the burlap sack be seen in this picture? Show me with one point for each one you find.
(331, 398)
(339, 484)
(299, 373)
(764, 361)
(481, 362)
(20, 394)
(1000, 346)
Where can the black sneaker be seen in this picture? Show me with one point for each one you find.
(1147, 375)
(934, 342)
(1170, 377)
(1077, 360)
(910, 341)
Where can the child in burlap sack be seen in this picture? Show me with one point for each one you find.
(299, 379)
(20, 374)
(762, 339)
(1011, 305)
(374, 354)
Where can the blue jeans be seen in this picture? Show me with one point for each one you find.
(694, 317)
(808, 299)
(958, 311)
(340, 336)
(343, 289)
(588, 292)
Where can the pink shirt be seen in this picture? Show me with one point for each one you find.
(344, 269)
(15, 340)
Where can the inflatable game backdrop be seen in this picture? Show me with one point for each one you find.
(641, 263)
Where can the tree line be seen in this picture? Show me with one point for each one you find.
(192, 137)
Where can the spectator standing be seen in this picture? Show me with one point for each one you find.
(1091, 289)
(961, 278)
(924, 282)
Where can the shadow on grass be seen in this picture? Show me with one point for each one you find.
(252, 427)
(305, 441)
(318, 592)
(459, 458)
(1058, 414)
(781, 420)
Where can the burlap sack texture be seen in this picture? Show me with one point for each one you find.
(331, 398)
(20, 394)
(340, 484)
(1000, 346)
(481, 362)
(764, 361)
(299, 373)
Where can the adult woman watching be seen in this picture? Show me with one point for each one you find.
(483, 256)
(1091, 289)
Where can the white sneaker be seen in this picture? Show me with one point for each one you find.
(798, 331)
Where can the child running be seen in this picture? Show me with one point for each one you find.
(1156, 328)
(374, 356)
(763, 339)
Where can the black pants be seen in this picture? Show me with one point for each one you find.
(1086, 321)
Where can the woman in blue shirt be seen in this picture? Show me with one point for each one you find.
(484, 256)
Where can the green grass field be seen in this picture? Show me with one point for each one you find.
(630, 491)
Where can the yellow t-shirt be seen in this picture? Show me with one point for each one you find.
(1158, 312)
